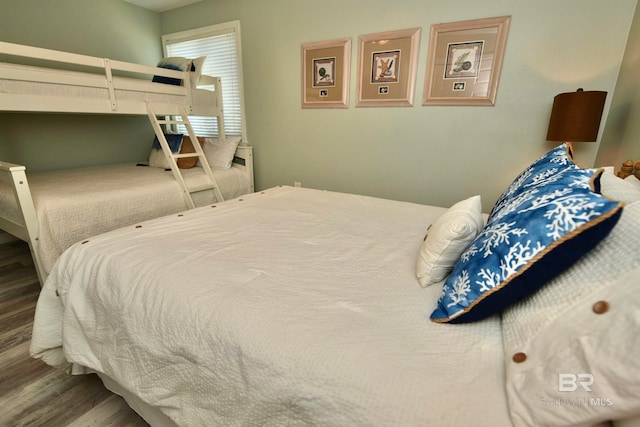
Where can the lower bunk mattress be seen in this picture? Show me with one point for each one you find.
(75, 204)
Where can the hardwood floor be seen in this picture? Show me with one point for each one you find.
(31, 392)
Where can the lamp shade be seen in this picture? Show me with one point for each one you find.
(575, 116)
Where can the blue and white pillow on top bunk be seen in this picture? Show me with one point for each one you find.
(179, 63)
(548, 218)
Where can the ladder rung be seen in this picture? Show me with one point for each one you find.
(156, 121)
(172, 122)
(201, 187)
(180, 156)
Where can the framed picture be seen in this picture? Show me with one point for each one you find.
(464, 62)
(387, 68)
(325, 74)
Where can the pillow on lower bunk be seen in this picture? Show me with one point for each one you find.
(157, 159)
(220, 152)
(187, 147)
(447, 238)
(572, 348)
(545, 221)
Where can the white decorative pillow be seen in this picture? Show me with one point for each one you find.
(572, 347)
(625, 190)
(219, 153)
(196, 70)
(447, 238)
(634, 181)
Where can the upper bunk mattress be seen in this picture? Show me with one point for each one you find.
(74, 204)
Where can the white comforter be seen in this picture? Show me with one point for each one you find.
(287, 307)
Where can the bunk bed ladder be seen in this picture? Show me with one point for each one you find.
(183, 119)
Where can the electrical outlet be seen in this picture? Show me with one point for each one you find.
(297, 184)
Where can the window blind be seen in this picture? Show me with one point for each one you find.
(220, 45)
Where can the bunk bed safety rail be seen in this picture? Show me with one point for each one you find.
(216, 82)
(244, 159)
(90, 61)
(103, 79)
(27, 229)
(109, 76)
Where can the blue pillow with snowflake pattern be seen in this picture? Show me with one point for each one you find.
(545, 221)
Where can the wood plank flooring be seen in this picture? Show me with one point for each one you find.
(31, 392)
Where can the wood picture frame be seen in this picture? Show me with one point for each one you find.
(464, 62)
(325, 73)
(387, 64)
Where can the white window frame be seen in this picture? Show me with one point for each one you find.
(210, 31)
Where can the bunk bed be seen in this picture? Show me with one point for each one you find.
(297, 306)
(63, 82)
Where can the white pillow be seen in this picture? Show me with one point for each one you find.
(447, 239)
(634, 181)
(626, 190)
(219, 153)
(196, 70)
(572, 347)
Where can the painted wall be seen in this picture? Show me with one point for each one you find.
(621, 137)
(433, 154)
(105, 28)
(436, 155)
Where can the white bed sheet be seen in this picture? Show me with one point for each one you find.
(285, 307)
(74, 204)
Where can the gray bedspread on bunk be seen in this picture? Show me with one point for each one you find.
(75, 204)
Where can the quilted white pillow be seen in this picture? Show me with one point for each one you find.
(634, 181)
(572, 347)
(447, 238)
(220, 152)
(626, 190)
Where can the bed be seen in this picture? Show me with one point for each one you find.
(65, 82)
(74, 204)
(45, 209)
(628, 169)
(296, 306)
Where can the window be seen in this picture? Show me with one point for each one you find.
(221, 45)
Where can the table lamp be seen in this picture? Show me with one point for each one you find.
(575, 116)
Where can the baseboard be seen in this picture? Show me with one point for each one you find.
(6, 237)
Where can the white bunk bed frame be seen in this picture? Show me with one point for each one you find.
(182, 104)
